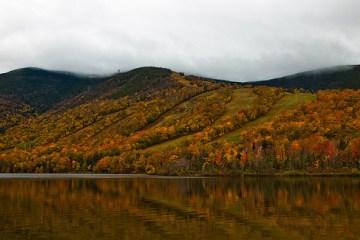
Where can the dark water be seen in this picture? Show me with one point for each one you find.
(191, 208)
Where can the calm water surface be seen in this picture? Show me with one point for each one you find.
(179, 208)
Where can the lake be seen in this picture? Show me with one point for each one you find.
(139, 207)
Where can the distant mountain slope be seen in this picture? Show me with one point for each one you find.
(41, 89)
(341, 77)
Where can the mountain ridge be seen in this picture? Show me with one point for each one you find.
(40, 88)
(338, 77)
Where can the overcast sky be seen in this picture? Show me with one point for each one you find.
(228, 39)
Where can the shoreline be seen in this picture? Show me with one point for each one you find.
(86, 176)
(145, 176)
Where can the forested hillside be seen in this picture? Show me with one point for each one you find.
(155, 121)
(29, 91)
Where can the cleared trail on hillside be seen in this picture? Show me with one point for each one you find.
(286, 103)
(242, 98)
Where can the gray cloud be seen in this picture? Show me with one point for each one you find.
(228, 39)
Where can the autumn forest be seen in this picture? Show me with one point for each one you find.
(156, 121)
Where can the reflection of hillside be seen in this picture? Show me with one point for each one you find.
(212, 208)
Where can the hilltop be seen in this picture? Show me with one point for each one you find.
(41, 89)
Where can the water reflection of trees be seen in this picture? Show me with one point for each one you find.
(213, 207)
